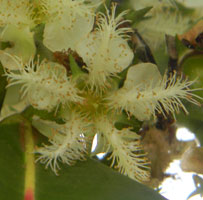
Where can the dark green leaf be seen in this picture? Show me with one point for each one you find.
(102, 7)
(124, 121)
(181, 48)
(135, 16)
(88, 180)
(138, 15)
(29, 112)
(43, 51)
(161, 56)
(11, 163)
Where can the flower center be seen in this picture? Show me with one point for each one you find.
(93, 105)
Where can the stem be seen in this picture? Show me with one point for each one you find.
(29, 188)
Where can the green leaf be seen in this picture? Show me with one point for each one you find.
(135, 16)
(75, 69)
(29, 112)
(138, 15)
(12, 163)
(181, 48)
(43, 51)
(119, 80)
(88, 180)
(192, 67)
(161, 56)
(102, 7)
(124, 121)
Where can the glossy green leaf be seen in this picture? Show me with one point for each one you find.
(88, 180)
(192, 67)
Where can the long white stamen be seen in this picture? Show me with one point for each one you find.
(67, 144)
(143, 103)
(127, 152)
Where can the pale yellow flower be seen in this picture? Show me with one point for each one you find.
(67, 141)
(68, 22)
(22, 45)
(85, 111)
(145, 92)
(126, 150)
(45, 85)
(16, 21)
(105, 50)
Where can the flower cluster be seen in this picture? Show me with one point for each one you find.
(89, 98)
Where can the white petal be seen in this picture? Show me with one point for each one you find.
(141, 75)
(23, 45)
(106, 51)
(104, 58)
(68, 23)
(112, 57)
(59, 35)
(18, 13)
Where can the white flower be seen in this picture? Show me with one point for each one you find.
(16, 21)
(68, 143)
(127, 151)
(18, 13)
(45, 85)
(85, 111)
(145, 92)
(105, 50)
(22, 45)
(68, 22)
